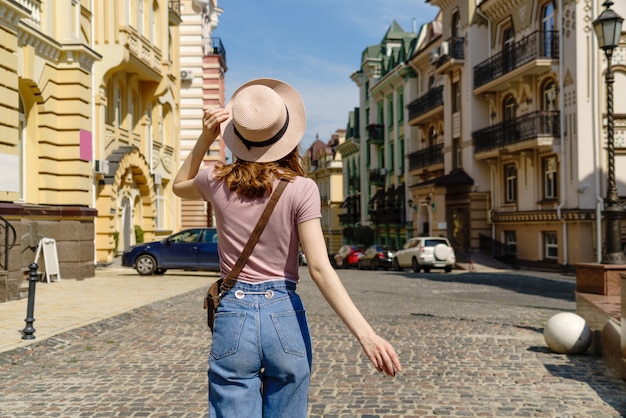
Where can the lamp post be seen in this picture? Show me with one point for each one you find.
(608, 28)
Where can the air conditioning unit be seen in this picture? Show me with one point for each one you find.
(434, 55)
(101, 167)
(444, 49)
(186, 75)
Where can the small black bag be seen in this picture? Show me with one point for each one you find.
(211, 300)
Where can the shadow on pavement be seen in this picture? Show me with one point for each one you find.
(530, 285)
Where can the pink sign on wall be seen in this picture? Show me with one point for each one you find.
(86, 145)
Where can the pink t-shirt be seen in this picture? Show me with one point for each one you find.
(275, 256)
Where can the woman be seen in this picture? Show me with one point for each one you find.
(260, 360)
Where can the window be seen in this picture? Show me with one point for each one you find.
(549, 96)
(140, 17)
(456, 153)
(551, 245)
(400, 102)
(510, 240)
(432, 137)
(22, 152)
(508, 49)
(547, 26)
(390, 118)
(456, 97)
(510, 183)
(550, 178)
(510, 107)
(160, 206)
(456, 24)
(118, 107)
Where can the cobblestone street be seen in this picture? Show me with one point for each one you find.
(471, 345)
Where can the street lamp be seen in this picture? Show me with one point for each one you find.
(608, 28)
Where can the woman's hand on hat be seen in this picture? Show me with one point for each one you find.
(211, 122)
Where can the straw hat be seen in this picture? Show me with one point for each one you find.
(267, 121)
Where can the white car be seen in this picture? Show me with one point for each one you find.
(425, 253)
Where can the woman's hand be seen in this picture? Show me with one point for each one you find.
(211, 122)
(183, 182)
(381, 354)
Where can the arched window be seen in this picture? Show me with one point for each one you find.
(549, 96)
(547, 29)
(509, 108)
(432, 136)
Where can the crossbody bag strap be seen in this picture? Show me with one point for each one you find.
(230, 281)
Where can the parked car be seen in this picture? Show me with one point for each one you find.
(347, 256)
(190, 249)
(376, 256)
(425, 253)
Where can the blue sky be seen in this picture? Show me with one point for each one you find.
(313, 45)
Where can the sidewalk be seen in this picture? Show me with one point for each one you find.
(68, 304)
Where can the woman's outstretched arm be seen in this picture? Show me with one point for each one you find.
(378, 350)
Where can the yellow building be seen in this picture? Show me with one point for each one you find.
(90, 130)
(47, 134)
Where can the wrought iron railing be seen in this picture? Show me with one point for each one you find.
(532, 125)
(376, 134)
(539, 44)
(424, 158)
(7, 241)
(455, 51)
(426, 102)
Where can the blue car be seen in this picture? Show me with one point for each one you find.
(190, 249)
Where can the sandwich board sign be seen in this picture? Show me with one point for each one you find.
(50, 257)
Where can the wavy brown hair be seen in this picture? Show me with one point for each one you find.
(254, 180)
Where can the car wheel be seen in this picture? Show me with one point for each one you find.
(395, 265)
(448, 269)
(145, 265)
(442, 252)
(426, 269)
(416, 265)
(374, 265)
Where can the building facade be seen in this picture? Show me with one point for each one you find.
(91, 131)
(505, 145)
(46, 150)
(382, 79)
(203, 65)
(324, 165)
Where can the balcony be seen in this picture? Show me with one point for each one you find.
(426, 157)
(144, 57)
(451, 55)
(377, 176)
(173, 7)
(424, 106)
(541, 127)
(533, 54)
(376, 134)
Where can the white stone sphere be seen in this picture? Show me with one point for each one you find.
(567, 333)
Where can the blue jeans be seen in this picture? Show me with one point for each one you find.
(260, 362)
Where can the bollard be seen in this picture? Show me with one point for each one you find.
(30, 310)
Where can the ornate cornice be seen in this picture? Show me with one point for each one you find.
(11, 13)
(570, 215)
